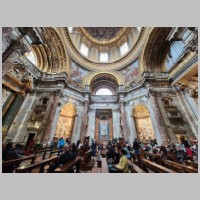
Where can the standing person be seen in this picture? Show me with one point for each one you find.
(195, 149)
(93, 148)
(31, 144)
(68, 141)
(78, 143)
(186, 147)
(136, 148)
(125, 147)
(61, 143)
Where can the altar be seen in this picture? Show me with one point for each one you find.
(103, 124)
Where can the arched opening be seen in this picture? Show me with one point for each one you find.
(143, 124)
(31, 57)
(104, 84)
(66, 119)
(103, 91)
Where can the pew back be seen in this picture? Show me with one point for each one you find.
(179, 167)
(68, 166)
(10, 165)
(41, 165)
(155, 167)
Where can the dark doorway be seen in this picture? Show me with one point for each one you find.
(30, 140)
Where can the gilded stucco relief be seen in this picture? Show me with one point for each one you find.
(144, 126)
(66, 120)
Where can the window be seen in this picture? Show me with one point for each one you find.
(84, 49)
(31, 57)
(70, 29)
(124, 49)
(103, 91)
(104, 57)
(188, 35)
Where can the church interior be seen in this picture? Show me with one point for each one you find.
(100, 100)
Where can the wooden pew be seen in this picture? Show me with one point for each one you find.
(192, 164)
(172, 157)
(42, 151)
(155, 167)
(10, 165)
(56, 151)
(134, 168)
(179, 167)
(41, 165)
(70, 165)
(87, 156)
(153, 157)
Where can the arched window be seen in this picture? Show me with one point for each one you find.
(103, 57)
(31, 57)
(124, 49)
(104, 91)
(84, 49)
(70, 29)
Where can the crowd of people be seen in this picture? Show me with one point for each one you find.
(117, 154)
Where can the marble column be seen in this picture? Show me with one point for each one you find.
(116, 123)
(192, 104)
(91, 123)
(131, 124)
(77, 123)
(22, 119)
(73, 137)
(84, 121)
(165, 119)
(49, 122)
(123, 121)
(55, 121)
(165, 135)
(190, 121)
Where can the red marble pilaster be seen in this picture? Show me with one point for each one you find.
(84, 122)
(123, 121)
(49, 124)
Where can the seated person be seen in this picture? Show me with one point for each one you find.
(128, 155)
(117, 155)
(63, 159)
(122, 166)
(10, 152)
(163, 152)
(73, 149)
(110, 154)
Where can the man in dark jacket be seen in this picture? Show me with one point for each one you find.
(94, 148)
(136, 148)
(63, 159)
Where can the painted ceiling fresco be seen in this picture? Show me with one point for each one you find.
(77, 74)
(132, 74)
(103, 33)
